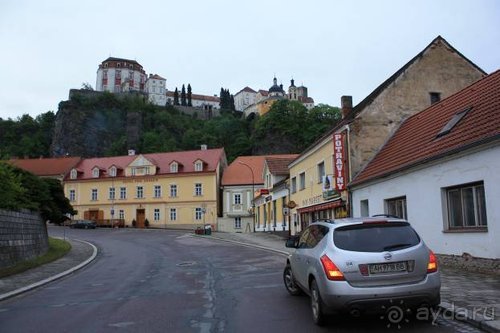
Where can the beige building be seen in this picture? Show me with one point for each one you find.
(169, 190)
(435, 73)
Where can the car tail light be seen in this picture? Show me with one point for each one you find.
(331, 270)
(432, 266)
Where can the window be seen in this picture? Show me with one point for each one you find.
(74, 174)
(466, 206)
(156, 214)
(312, 236)
(123, 193)
(173, 214)
(198, 213)
(121, 214)
(396, 207)
(111, 193)
(237, 199)
(198, 166)
(294, 184)
(72, 195)
(237, 223)
(140, 192)
(198, 190)
(435, 97)
(112, 172)
(173, 190)
(321, 172)
(364, 208)
(95, 172)
(93, 196)
(453, 122)
(157, 191)
(302, 179)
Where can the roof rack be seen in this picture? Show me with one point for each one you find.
(387, 215)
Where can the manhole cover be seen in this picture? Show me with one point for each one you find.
(186, 263)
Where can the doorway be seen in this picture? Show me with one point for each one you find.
(140, 217)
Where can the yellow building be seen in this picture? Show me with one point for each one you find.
(312, 186)
(169, 190)
(271, 200)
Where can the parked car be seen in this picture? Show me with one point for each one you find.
(83, 224)
(362, 265)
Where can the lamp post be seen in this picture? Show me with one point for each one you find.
(253, 193)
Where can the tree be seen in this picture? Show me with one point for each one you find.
(183, 96)
(176, 96)
(189, 101)
(87, 86)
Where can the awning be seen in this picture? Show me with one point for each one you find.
(322, 206)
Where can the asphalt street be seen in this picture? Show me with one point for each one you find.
(170, 281)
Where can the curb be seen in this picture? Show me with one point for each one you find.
(476, 319)
(284, 253)
(52, 278)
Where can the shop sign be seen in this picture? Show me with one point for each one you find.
(328, 195)
(339, 162)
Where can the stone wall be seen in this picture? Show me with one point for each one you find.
(469, 263)
(23, 236)
(439, 69)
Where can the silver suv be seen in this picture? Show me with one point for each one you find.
(362, 265)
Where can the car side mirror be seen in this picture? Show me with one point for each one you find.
(292, 242)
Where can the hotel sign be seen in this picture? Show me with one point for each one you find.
(339, 162)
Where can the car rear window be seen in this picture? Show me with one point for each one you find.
(375, 237)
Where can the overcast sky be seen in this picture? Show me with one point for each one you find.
(334, 48)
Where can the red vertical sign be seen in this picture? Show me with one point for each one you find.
(339, 162)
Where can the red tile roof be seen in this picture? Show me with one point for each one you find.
(211, 157)
(46, 166)
(279, 165)
(239, 174)
(417, 142)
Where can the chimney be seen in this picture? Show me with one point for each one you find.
(346, 105)
(131, 152)
(203, 147)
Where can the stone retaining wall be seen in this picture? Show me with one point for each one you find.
(470, 263)
(23, 236)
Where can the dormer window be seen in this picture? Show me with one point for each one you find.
(198, 166)
(174, 167)
(95, 172)
(73, 174)
(112, 171)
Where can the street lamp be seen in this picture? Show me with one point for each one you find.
(253, 192)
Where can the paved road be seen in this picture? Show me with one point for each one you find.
(167, 281)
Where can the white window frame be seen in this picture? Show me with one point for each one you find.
(237, 222)
(112, 171)
(112, 193)
(72, 195)
(198, 166)
(94, 194)
(174, 167)
(173, 190)
(173, 214)
(73, 174)
(95, 173)
(400, 205)
(156, 214)
(198, 213)
(121, 214)
(157, 191)
(237, 198)
(198, 189)
(123, 193)
(478, 207)
(139, 192)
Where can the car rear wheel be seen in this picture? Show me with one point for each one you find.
(289, 281)
(316, 304)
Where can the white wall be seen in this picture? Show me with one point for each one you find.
(425, 209)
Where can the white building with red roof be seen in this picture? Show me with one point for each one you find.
(169, 190)
(440, 171)
(156, 88)
(120, 75)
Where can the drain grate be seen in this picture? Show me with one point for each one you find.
(186, 263)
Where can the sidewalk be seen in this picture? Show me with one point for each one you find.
(81, 254)
(465, 296)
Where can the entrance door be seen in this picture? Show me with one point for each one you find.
(140, 216)
(93, 215)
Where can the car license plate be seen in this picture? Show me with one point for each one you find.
(391, 267)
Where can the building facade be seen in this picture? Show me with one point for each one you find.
(169, 190)
(118, 75)
(440, 171)
(156, 88)
(436, 72)
(244, 98)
